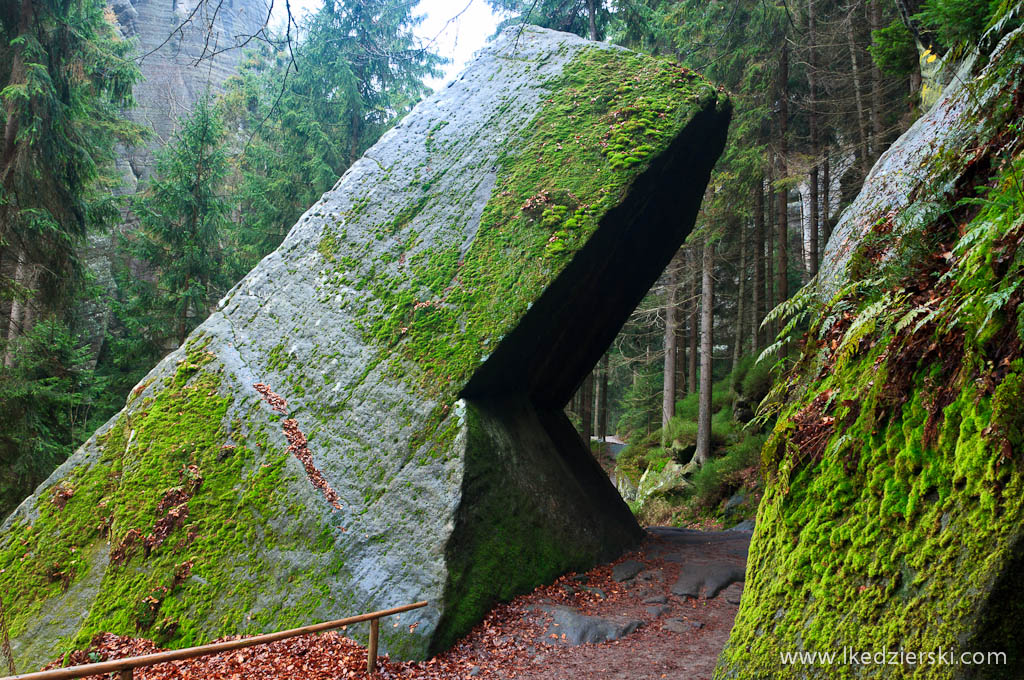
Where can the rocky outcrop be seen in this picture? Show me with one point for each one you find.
(892, 518)
(373, 416)
(187, 48)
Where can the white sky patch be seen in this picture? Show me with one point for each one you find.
(453, 29)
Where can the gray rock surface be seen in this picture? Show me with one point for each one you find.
(373, 416)
(681, 625)
(626, 570)
(712, 578)
(579, 628)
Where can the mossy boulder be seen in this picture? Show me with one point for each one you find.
(373, 415)
(892, 522)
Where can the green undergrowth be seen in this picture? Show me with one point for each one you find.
(734, 457)
(172, 500)
(892, 513)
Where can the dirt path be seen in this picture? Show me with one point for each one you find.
(680, 637)
(658, 632)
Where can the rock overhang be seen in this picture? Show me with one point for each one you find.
(423, 325)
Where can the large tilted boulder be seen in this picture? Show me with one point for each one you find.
(373, 416)
(890, 538)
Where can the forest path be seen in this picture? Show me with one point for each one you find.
(678, 636)
(630, 619)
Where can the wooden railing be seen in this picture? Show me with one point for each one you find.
(126, 667)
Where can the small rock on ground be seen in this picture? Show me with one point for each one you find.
(626, 570)
(579, 628)
(656, 599)
(658, 610)
(681, 625)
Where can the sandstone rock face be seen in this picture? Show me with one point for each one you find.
(188, 47)
(374, 414)
(894, 503)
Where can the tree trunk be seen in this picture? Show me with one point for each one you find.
(15, 323)
(602, 403)
(681, 335)
(781, 247)
(592, 15)
(826, 201)
(812, 116)
(737, 345)
(586, 408)
(782, 220)
(771, 299)
(703, 451)
(865, 160)
(691, 356)
(758, 299)
(668, 392)
(875, 23)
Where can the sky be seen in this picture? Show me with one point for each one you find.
(455, 29)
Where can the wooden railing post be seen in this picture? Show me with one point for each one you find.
(126, 674)
(371, 650)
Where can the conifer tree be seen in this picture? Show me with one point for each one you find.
(183, 219)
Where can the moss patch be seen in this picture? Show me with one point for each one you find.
(180, 495)
(896, 484)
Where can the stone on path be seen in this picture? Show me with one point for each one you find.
(712, 578)
(579, 628)
(626, 570)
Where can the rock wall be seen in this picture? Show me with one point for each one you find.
(892, 520)
(188, 47)
(373, 415)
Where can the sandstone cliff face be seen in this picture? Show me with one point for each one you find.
(189, 47)
(892, 519)
(373, 415)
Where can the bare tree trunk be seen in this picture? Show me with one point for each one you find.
(875, 23)
(737, 345)
(782, 221)
(602, 403)
(771, 299)
(17, 324)
(707, 299)
(781, 247)
(691, 357)
(586, 408)
(592, 15)
(681, 335)
(668, 392)
(758, 299)
(865, 160)
(826, 201)
(812, 115)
